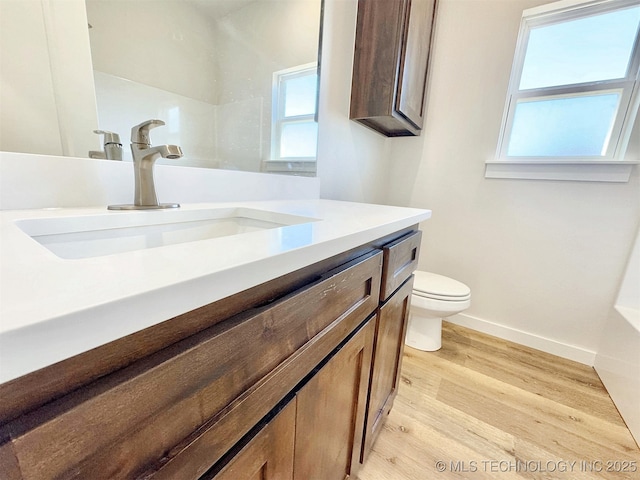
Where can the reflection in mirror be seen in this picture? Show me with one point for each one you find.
(234, 80)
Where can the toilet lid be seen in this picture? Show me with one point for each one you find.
(429, 284)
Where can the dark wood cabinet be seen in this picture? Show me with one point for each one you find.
(175, 413)
(391, 56)
(291, 379)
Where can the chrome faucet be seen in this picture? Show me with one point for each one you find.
(144, 157)
(112, 146)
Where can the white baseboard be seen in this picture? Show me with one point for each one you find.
(570, 352)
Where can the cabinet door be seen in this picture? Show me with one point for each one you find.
(331, 408)
(269, 455)
(391, 327)
(390, 65)
(414, 58)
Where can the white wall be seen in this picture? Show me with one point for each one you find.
(27, 86)
(168, 46)
(352, 160)
(543, 259)
(47, 94)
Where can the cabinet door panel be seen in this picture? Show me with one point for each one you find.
(387, 357)
(375, 61)
(331, 408)
(414, 59)
(269, 455)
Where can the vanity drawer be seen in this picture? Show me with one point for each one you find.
(175, 413)
(400, 260)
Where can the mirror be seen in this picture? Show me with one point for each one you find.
(213, 70)
(235, 81)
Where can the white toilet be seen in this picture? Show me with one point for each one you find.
(434, 297)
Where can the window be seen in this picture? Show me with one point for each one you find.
(573, 94)
(294, 129)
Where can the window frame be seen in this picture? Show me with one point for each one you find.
(620, 132)
(278, 119)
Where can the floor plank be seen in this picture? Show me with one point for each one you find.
(482, 407)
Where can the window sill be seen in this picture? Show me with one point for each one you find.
(291, 167)
(580, 171)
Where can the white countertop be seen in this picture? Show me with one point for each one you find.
(53, 308)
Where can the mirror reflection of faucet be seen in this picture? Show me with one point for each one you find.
(144, 157)
(112, 146)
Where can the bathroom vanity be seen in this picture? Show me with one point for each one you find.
(272, 353)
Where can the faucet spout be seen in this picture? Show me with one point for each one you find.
(143, 161)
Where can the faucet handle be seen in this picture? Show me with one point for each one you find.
(140, 133)
(111, 144)
(109, 137)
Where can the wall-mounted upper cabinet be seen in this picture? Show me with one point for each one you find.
(391, 55)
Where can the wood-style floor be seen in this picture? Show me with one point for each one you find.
(486, 408)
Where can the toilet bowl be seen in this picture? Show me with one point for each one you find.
(434, 297)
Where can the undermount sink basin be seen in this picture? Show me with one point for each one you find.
(88, 236)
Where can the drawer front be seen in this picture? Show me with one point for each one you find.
(173, 414)
(400, 261)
